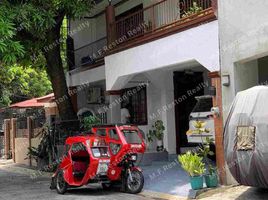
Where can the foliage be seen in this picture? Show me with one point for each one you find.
(192, 163)
(30, 35)
(10, 47)
(193, 10)
(157, 132)
(212, 170)
(46, 149)
(20, 83)
(24, 25)
(204, 149)
(199, 128)
(90, 121)
(32, 153)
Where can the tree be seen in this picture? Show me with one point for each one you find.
(18, 83)
(31, 33)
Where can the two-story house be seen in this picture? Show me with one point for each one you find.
(151, 56)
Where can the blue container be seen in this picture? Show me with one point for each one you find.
(196, 182)
(211, 180)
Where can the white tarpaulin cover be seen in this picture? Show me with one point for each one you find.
(246, 137)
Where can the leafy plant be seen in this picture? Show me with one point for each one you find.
(32, 153)
(199, 128)
(157, 132)
(205, 149)
(193, 10)
(90, 121)
(212, 170)
(192, 163)
(45, 150)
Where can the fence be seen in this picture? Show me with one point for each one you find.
(24, 133)
(90, 53)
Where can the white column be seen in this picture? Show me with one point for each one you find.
(114, 112)
(168, 113)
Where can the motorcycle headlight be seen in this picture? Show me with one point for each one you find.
(134, 157)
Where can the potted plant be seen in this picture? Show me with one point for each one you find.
(194, 9)
(211, 176)
(194, 166)
(158, 133)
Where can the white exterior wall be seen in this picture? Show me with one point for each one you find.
(199, 44)
(160, 92)
(243, 28)
(85, 77)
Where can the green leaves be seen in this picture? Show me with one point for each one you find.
(157, 132)
(192, 163)
(32, 20)
(23, 81)
(90, 121)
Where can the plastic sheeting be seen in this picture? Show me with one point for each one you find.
(246, 137)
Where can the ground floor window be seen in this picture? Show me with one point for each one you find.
(135, 101)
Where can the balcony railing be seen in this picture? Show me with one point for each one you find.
(91, 53)
(159, 16)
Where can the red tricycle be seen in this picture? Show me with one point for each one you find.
(106, 156)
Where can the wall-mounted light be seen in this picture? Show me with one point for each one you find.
(225, 79)
(110, 2)
(215, 111)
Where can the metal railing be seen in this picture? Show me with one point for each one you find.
(90, 53)
(157, 16)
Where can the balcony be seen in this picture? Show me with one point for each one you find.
(156, 21)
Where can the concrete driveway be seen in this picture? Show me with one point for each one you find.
(20, 186)
(18, 183)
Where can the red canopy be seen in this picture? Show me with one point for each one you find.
(35, 102)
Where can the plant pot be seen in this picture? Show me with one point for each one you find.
(211, 180)
(160, 146)
(196, 182)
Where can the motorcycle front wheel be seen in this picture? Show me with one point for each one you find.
(135, 182)
(61, 185)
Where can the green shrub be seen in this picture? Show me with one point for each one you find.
(90, 121)
(192, 164)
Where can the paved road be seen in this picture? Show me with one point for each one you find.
(22, 187)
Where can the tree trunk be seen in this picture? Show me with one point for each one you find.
(55, 71)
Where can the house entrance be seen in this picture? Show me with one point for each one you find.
(187, 85)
